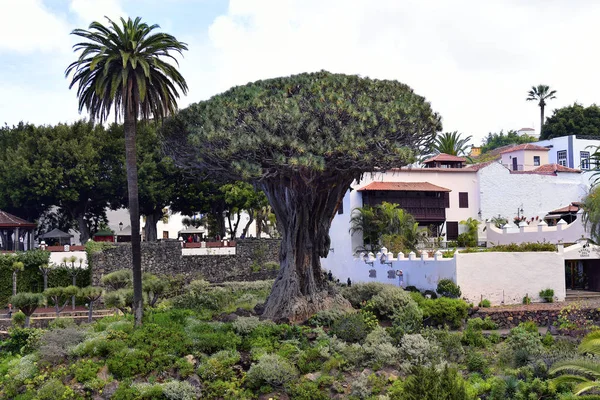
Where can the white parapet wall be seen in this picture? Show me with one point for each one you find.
(500, 277)
(57, 257)
(541, 232)
(505, 278)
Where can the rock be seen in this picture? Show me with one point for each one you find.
(195, 381)
(110, 389)
(191, 359)
(242, 312)
(103, 373)
(313, 377)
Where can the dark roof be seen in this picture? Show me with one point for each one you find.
(404, 187)
(104, 232)
(56, 234)
(10, 221)
(526, 146)
(573, 207)
(443, 157)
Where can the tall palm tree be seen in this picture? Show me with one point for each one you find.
(451, 143)
(125, 66)
(541, 93)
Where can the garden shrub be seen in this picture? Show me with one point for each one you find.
(53, 390)
(326, 317)
(443, 311)
(379, 350)
(271, 370)
(176, 390)
(18, 338)
(18, 318)
(485, 303)
(85, 370)
(118, 280)
(306, 390)
(219, 366)
(350, 327)
(473, 336)
(61, 323)
(449, 342)
(310, 360)
(482, 324)
(245, 325)
(522, 338)
(417, 350)
(407, 320)
(526, 299)
(447, 288)
(388, 300)
(211, 337)
(476, 362)
(128, 363)
(57, 344)
(99, 344)
(427, 383)
(547, 295)
(359, 293)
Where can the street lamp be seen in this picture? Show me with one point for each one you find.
(519, 211)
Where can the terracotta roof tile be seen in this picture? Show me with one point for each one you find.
(9, 220)
(569, 208)
(404, 187)
(555, 168)
(444, 157)
(526, 146)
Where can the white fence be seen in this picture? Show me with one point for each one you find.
(541, 232)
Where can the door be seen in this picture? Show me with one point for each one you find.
(515, 167)
(451, 230)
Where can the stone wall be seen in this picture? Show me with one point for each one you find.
(251, 261)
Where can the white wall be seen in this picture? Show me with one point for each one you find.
(344, 244)
(509, 277)
(208, 251)
(567, 233)
(503, 193)
(56, 257)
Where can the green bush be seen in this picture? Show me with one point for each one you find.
(443, 311)
(447, 288)
(176, 390)
(427, 383)
(476, 362)
(219, 366)
(472, 335)
(450, 343)
(18, 338)
(547, 295)
(389, 299)
(526, 299)
(379, 350)
(271, 370)
(211, 337)
(306, 390)
(359, 293)
(523, 247)
(54, 389)
(417, 350)
(128, 363)
(326, 317)
(482, 324)
(55, 345)
(485, 303)
(245, 325)
(407, 320)
(85, 370)
(350, 328)
(18, 318)
(522, 338)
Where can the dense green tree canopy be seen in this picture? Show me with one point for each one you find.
(303, 140)
(494, 140)
(573, 120)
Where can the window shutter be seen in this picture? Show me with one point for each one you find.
(463, 200)
(451, 230)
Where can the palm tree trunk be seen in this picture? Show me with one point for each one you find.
(134, 213)
(14, 276)
(541, 119)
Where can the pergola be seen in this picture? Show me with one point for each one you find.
(16, 234)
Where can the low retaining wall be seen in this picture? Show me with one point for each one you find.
(165, 258)
(507, 319)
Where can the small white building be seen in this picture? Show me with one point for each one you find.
(571, 151)
(524, 157)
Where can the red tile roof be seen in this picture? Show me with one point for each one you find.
(555, 168)
(442, 157)
(10, 221)
(526, 129)
(526, 146)
(570, 208)
(404, 187)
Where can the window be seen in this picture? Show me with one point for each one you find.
(451, 230)
(561, 157)
(585, 159)
(446, 199)
(463, 200)
(536, 161)
(165, 234)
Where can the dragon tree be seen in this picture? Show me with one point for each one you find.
(303, 140)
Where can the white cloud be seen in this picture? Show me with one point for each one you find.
(89, 11)
(28, 26)
(475, 61)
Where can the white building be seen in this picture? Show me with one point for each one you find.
(571, 151)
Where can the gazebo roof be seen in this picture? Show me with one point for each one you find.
(10, 221)
(56, 234)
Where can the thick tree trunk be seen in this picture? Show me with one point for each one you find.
(84, 230)
(90, 312)
(45, 273)
(250, 220)
(27, 321)
(150, 232)
(134, 213)
(304, 211)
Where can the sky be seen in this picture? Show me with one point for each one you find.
(474, 61)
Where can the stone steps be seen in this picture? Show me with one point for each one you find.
(580, 295)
